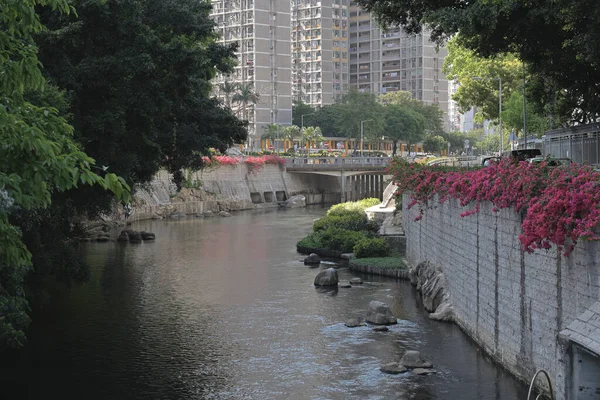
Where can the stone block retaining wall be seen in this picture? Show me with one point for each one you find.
(512, 303)
(230, 188)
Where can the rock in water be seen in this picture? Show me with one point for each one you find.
(356, 281)
(294, 202)
(423, 371)
(381, 329)
(134, 237)
(393, 368)
(413, 359)
(354, 322)
(147, 235)
(345, 285)
(380, 314)
(123, 237)
(312, 259)
(329, 277)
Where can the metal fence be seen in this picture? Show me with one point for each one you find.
(579, 143)
(341, 161)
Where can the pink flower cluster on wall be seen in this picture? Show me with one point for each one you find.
(558, 205)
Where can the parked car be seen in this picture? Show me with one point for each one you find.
(551, 161)
(520, 155)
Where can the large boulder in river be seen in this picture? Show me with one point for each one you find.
(413, 359)
(147, 235)
(312, 259)
(380, 314)
(123, 237)
(134, 236)
(329, 277)
(294, 202)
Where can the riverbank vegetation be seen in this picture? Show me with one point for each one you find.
(124, 91)
(559, 205)
(345, 229)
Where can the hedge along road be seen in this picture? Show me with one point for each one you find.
(222, 308)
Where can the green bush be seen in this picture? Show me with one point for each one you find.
(333, 239)
(361, 206)
(350, 220)
(371, 248)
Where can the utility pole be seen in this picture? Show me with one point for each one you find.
(524, 109)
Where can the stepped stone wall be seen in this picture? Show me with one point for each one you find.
(526, 310)
(231, 188)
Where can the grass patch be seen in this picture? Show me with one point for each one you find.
(379, 262)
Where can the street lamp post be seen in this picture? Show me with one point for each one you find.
(499, 79)
(362, 129)
(302, 123)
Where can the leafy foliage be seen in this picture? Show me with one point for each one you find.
(38, 157)
(403, 123)
(333, 239)
(560, 205)
(361, 206)
(350, 220)
(558, 40)
(373, 247)
(138, 74)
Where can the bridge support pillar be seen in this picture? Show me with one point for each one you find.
(381, 187)
(343, 194)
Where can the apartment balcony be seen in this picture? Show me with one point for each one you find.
(390, 67)
(391, 78)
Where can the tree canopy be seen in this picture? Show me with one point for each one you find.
(403, 123)
(38, 156)
(558, 40)
(138, 77)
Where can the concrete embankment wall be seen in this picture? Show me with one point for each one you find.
(231, 188)
(512, 303)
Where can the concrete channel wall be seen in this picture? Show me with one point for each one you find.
(231, 188)
(528, 311)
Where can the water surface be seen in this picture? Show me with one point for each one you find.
(221, 308)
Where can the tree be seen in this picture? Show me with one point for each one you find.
(432, 113)
(402, 123)
(292, 132)
(434, 144)
(512, 116)
(299, 109)
(138, 75)
(477, 78)
(558, 40)
(311, 134)
(246, 97)
(355, 107)
(228, 89)
(38, 157)
(326, 118)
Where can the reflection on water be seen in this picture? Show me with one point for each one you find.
(222, 308)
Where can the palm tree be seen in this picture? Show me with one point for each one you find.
(228, 90)
(311, 134)
(246, 96)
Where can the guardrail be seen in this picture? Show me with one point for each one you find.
(299, 162)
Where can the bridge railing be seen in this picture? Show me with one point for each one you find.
(338, 161)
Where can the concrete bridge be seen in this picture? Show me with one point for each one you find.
(360, 177)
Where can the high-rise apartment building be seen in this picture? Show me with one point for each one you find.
(262, 31)
(319, 50)
(383, 61)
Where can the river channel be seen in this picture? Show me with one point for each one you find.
(221, 308)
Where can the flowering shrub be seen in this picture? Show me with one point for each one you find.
(253, 162)
(558, 205)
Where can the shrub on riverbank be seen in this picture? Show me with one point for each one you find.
(333, 239)
(559, 205)
(361, 206)
(347, 219)
(344, 226)
(371, 248)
